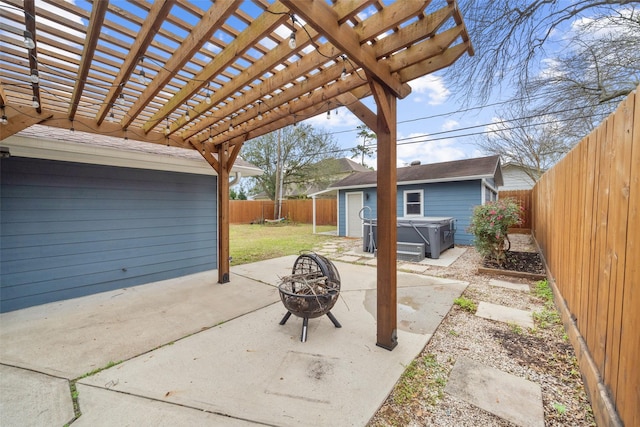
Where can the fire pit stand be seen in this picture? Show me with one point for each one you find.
(311, 290)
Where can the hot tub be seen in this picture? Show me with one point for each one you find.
(437, 234)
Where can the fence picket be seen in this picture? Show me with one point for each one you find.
(256, 211)
(585, 217)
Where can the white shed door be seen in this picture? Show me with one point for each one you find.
(354, 223)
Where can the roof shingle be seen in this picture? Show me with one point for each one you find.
(458, 170)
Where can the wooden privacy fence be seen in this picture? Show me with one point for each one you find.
(586, 220)
(524, 198)
(248, 211)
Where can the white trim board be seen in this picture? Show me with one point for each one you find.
(52, 149)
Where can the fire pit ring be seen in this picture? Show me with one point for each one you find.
(311, 290)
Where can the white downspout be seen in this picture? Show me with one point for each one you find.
(235, 179)
(313, 198)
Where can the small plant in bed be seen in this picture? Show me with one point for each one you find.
(489, 225)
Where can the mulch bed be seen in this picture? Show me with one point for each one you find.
(525, 262)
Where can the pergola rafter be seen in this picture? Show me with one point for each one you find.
(236, 51)
(239, 69)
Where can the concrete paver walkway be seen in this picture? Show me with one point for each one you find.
(504, 314)
(507, 396)
(509, 285)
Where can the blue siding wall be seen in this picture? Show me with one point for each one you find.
(70, 229)
(455, 199)
(446, 199)
(372, 203)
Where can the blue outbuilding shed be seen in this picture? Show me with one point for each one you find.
(83, 213)
(447, 189)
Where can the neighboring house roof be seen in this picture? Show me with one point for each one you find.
(458, 170)
(331, 170)
(342, 165)
(44, 142)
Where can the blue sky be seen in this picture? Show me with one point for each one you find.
(431, 120)
(433, 125)
(420, 135)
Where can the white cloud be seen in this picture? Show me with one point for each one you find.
(497, 125)
(550, 68)
(427, 151)
(431, 86)
(343, 119)
(449, 124)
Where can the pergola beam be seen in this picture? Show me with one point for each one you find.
(433, 64)
(91, 41)
(358, 109)
(313, 60)
(200, 35)
(159, 11)
(82, 123)
(18, 120)
(324, 19)
(427, 49)
(30, 24)
(390, 17)
(257, 30)
(412, 33)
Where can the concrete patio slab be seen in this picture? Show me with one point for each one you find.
(507, 396)
(70, 338)
(101, 406)
(505, 314)
(509, 285)
(28, 398)
(253, 368)
(192, 344)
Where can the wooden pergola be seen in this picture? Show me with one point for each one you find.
(172, 72)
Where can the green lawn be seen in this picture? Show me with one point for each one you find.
(255, 242)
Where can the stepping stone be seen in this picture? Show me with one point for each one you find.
(348, 258)
(509, 285)
(505, 314)
(330, 247)
(504, 395)
(414, 268)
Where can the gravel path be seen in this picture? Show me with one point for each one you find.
(542, 354)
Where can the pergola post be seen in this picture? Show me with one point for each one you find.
(387, 217)
(223, 212)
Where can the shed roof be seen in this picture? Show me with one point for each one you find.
(458, 170)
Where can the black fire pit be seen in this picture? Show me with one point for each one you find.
(311, 290)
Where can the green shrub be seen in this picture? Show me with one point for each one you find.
(490, 223)
(466, 304)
